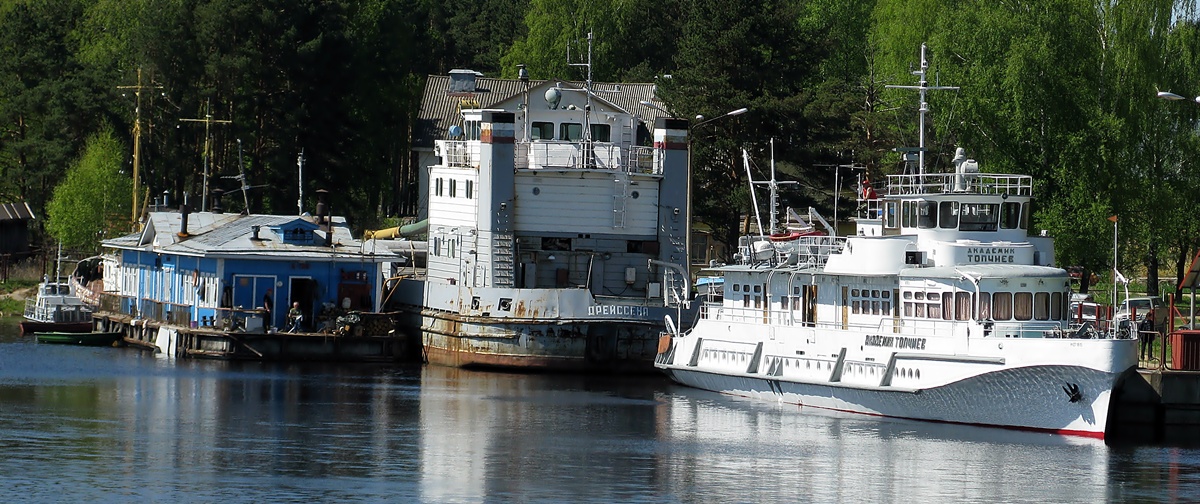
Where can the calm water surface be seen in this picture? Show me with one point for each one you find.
(119, 425)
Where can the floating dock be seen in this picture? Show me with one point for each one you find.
(361, 342)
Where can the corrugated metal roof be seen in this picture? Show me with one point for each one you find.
(212, 234)
(440, 107)
(15, 211)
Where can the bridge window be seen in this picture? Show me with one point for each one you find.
(601, 133)
(541, 131)
(889, 215)
(471, 130)
(1010, 216)
(907, 214)
(570, 131)
(926, 214)
(470, 186)
(1056, 306)
(948, 214)
(437, 188)
(978, 217)
(453, 187)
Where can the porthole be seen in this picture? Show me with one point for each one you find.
(537, 191)
(917, 374)
(633, 195)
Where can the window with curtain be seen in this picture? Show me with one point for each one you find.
(1002, 306)
(962, 305)
(1023, 305)
(1041, 306)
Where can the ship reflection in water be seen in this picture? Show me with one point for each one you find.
(103, 425)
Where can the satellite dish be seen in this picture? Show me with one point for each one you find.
(553, 96)
(455, 131)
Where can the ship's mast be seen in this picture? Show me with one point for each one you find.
(922, 86)
(773, 185)
(300, 183)
(208, 122)
(589, 153)
(137, 139)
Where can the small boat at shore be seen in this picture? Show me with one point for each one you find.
(55, 308)
(78, 338)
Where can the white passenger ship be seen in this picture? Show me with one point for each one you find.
(941, 308)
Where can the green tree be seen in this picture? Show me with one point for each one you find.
(92, 203)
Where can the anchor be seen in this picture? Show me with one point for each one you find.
(1072, 391)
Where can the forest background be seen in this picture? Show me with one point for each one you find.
(1063, 90)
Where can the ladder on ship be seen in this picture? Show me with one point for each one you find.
(620, 193)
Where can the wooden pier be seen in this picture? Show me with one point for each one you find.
(351, 343)
(1161, 401)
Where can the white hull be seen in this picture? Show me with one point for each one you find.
(1026, 397)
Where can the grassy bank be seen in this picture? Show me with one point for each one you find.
(21, 283)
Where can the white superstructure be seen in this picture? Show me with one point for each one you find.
(555, 237)
(941, 308)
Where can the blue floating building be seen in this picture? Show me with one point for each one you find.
(225, 276)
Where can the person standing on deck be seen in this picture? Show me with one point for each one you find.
(268, 302)
(1146, 334)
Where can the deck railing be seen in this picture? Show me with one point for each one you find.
(562, 155)
(970, 183)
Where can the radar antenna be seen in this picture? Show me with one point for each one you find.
(922, 86)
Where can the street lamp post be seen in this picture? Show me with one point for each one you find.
(687, 239)
(1164, 95)
(700, 121)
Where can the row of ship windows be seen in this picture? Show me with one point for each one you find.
(568, 131)
(990, 306)
(449, 187)
(956, 215)
(952, 306)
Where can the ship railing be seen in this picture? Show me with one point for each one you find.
(804, 251)
(458, 153)
(549, 154)
(968, 183)
(57, 313)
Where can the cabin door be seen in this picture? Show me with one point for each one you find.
(808, 303)
(896, 310)
(845, 307)
(304, 291)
